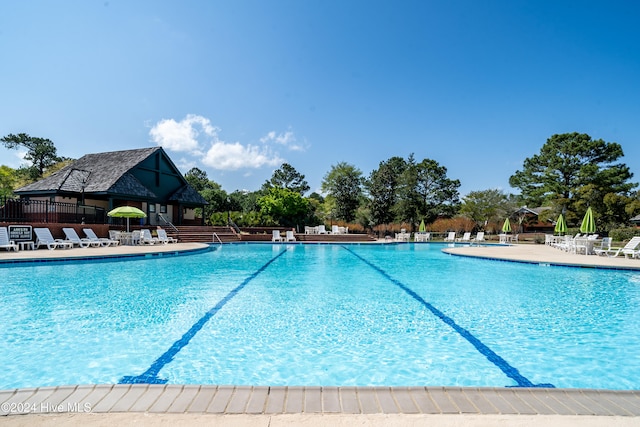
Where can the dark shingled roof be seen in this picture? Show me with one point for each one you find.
(101, 172)
(188, 194)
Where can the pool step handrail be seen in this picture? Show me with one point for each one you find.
(216, 237)
(169, 223)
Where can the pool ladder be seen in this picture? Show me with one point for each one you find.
(216, 237)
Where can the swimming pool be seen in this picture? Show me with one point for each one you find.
(361, 315)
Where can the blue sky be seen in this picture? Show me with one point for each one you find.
(238, 87)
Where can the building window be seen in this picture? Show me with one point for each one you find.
(152, 207)
(163, 208)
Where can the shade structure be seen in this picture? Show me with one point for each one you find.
(127, 212)
(588, 222)
(561, 225)
(422, 228)
(506, 227)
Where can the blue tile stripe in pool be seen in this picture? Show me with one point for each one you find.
(494, 358)
(150, 376)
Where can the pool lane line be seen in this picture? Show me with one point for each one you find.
(492, 356)
(150, 376)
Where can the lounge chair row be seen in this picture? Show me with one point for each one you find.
(592, 245)
(277, 237)
(321, 229)
(44, 238)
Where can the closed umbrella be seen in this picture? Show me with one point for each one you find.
(561, 225)
(422, 227)
(506, 227)
(588, 223)
(127, 212)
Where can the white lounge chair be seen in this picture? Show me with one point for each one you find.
(451, 237)
(75, 240)
(44, 238)
(5, 243)
(321, 229)
(163, 238)
(103, 241)
(479, 238)
(466, 237)
(276, 237)
(631, 248)
(289, 237)
(146, 238)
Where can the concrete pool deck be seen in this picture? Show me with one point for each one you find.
(189, 405)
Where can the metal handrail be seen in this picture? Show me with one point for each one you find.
(234, 226)
(167, 222)
(215, 236)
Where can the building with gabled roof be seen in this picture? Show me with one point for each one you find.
(145, 178)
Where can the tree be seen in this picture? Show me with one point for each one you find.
(426, 192)
(573, 171)
(484, 206)
(8, 178)
(197, 178)
(382, 186)
(343, 184)
(285, 206)
(40, 152)
(289, 178)
(211, 191)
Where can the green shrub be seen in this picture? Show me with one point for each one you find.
(622, 234)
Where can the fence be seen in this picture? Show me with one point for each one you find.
(45, 211)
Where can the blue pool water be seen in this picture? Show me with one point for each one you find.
(359, 315)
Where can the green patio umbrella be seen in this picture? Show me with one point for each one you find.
(422, 227)
(506, 227)
(127, 212)
(561, 225)
(588, 223)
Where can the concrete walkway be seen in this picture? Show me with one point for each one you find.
(190, 405)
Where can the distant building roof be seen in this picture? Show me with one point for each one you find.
(101, 173)
(635, 219)
(109, 174)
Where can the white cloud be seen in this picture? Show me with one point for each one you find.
(288, 139)
(196, 136)
(234, 156)
(183, 135)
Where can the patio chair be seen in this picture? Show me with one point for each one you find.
(451, 237)
(44, 238)
(421, 236)
(135, 237)
(403, 236)
(322, 229)
(605, 246)
(146, 238)
(75, 240)
(289, 237)
(5, 243)
(163, 238)
(276, 237)
(102, 241)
